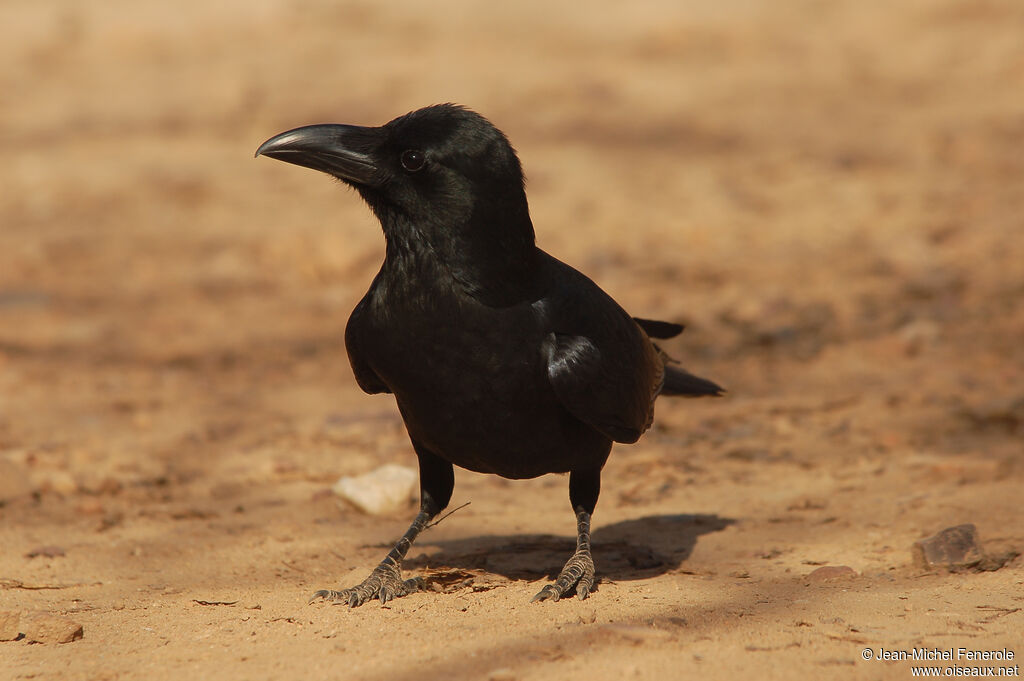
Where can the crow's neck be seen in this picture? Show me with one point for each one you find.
(492, 260)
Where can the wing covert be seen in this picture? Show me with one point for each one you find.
(610, 393)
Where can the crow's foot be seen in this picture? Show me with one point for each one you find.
(578, 573)
(384, 583)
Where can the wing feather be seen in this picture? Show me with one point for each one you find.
(613, 395)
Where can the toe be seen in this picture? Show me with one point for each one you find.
(322, 594)
(586, 583)
(384, 583)
(548, 593)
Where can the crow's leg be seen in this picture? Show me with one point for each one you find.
(437, 480)
(584, 488)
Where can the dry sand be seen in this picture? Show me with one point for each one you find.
(829, 194)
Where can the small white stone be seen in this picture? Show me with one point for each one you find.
(381, 491)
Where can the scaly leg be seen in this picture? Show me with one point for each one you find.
(584, 488)
(437, 480)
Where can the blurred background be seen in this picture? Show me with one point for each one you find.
(829, 194)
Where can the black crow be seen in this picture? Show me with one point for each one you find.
(501, 358)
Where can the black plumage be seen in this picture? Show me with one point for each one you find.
(501, 358)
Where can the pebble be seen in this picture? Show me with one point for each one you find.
(9, 625)
(829, 573)
(953, 547)
(45, 552)
(503, 674)
(62, 483)
(379, 492)
(45, 628)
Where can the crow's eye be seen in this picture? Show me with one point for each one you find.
(413, 160)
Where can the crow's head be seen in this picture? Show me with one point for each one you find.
(438, 169)
(443, 181)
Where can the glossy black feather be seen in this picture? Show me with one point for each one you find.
(656, 329)
(681, 382)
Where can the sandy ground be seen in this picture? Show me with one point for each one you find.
(829, 194)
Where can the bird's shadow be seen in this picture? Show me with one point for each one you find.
(632, 549)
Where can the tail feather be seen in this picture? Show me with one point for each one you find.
(656, 329)
(682, 382)
(677, 381)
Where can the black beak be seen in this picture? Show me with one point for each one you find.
(345, 151)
